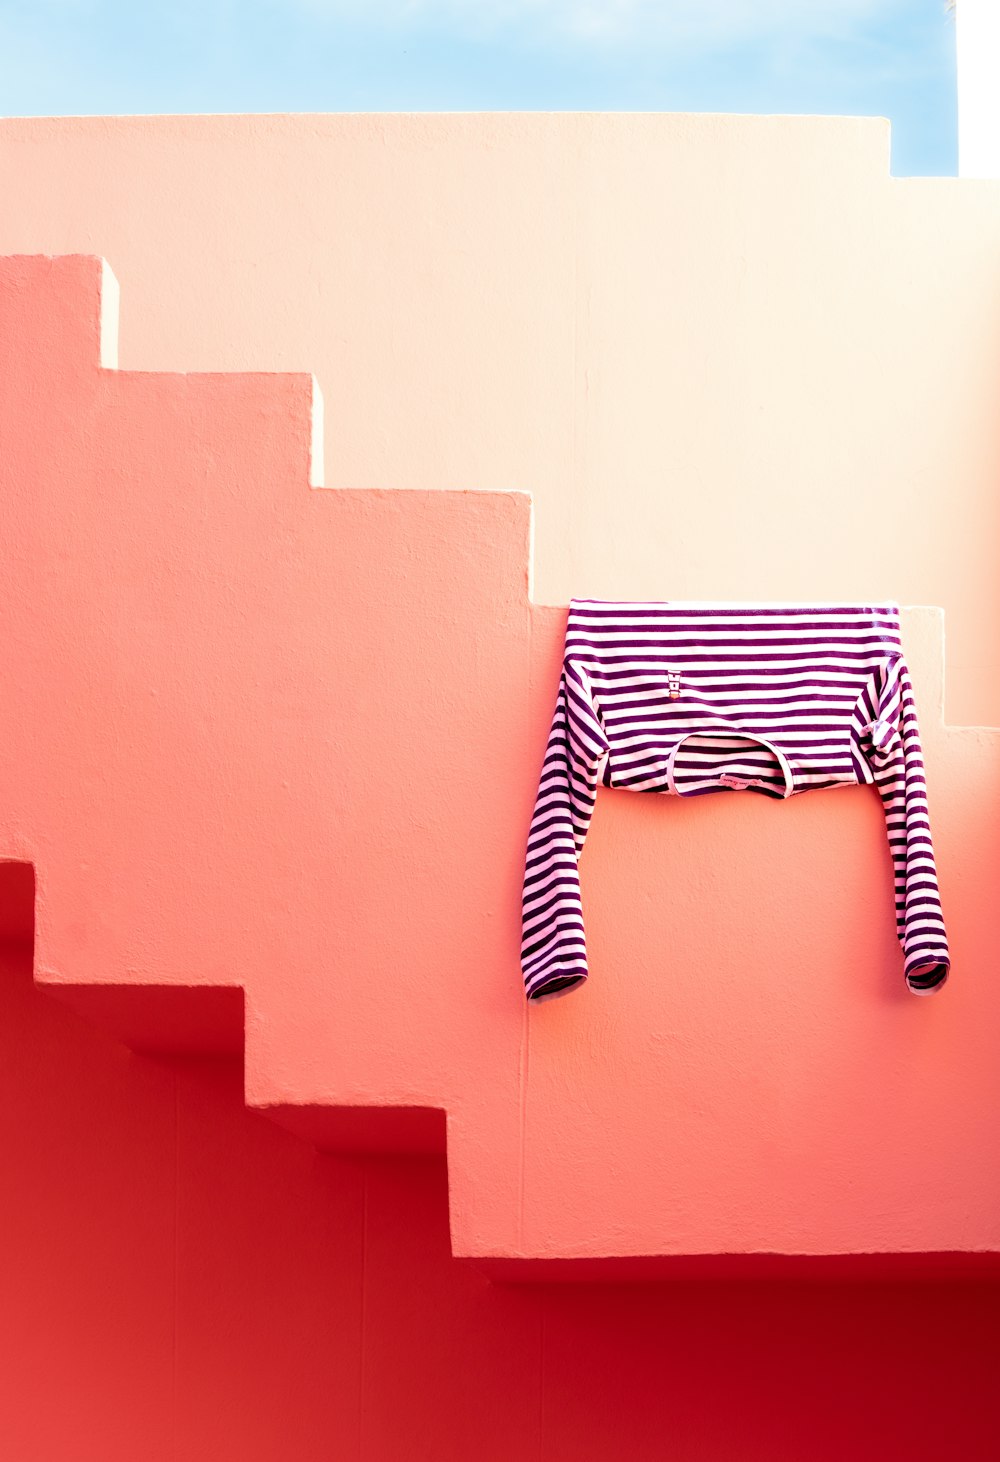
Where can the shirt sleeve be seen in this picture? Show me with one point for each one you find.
(553, 947)
(890, 741)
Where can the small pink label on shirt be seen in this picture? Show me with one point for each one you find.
(737, 782)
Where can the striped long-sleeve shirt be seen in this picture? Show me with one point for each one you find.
(694, 698)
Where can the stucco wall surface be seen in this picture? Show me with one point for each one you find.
(271, 736)
(727, 356)
(182, 1281)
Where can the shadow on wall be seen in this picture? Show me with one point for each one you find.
(183, 1279)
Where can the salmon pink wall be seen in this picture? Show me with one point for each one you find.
(727, 356)
(266, 736)
(270, 754)
(183, 1281)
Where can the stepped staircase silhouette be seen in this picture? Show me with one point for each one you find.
(270, 756)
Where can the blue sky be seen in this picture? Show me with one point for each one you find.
(892, 58)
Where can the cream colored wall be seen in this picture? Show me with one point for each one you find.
(727, 356)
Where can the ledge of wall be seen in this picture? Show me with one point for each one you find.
(275, 744)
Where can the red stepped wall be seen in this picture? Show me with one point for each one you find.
(274, 748)
(182, 1281)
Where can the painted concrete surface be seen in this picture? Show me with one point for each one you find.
(727, 356)
(183, 1281)
(265, 735)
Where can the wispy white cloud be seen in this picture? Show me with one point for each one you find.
(691, 25)
(672, 26)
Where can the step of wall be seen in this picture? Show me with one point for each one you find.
(271, 752)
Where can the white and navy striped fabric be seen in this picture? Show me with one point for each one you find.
(693, 698)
